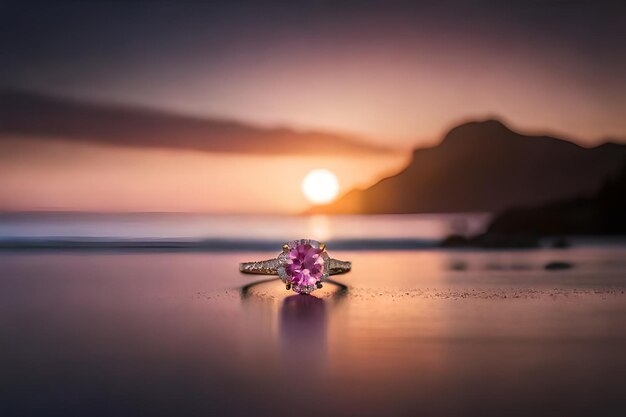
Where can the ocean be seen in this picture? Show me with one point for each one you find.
(234, 232)
(413, 329)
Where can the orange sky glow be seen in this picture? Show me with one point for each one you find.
(59, 176)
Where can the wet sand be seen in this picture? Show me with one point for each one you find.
(412, 333)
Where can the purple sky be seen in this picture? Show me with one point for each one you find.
(397, 72)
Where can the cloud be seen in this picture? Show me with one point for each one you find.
(32, 114)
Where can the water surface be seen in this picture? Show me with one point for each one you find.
(430, 332)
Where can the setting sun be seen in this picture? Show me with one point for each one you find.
(320, 186)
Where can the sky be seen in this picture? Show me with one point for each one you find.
(51, 175)
(393, 74)
(398, 73)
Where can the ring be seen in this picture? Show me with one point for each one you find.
(302, 265)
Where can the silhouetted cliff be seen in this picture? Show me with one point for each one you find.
(484, 166)
(602, 214)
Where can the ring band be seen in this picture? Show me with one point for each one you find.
(270, 267)
(302, 265)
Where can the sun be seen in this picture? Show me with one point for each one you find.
(320, 186)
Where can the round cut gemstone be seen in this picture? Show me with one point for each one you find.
(304, 265)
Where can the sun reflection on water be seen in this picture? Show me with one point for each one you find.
(319, 227)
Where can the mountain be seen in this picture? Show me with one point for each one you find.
(36, 115)
(602, 214)
(485, 166)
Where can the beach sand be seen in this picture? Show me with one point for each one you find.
(433, 332)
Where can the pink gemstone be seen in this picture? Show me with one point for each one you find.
(305, 267)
